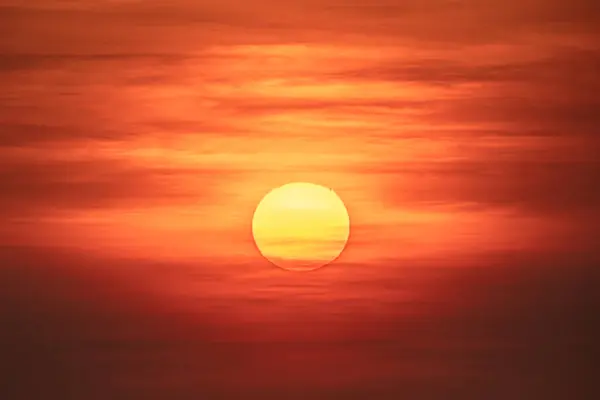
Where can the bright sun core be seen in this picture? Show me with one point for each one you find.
(301, 226)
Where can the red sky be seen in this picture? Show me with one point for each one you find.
(137, 137)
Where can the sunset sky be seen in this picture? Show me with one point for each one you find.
(138, 137)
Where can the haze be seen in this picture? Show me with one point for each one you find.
(137, 138)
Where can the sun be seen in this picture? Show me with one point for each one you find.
(301, 226)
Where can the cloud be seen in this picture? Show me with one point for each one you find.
(31, 186)
(119, 327)
(563, 65)
(493, 107)
(14, 62)
(186, 25)
(474, 108)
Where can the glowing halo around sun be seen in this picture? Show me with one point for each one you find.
(301, 226)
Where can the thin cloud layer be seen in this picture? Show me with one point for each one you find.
(137, 138)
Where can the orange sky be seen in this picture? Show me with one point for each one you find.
(456, 133)
(147, 126)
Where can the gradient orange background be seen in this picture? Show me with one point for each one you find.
(137, 138)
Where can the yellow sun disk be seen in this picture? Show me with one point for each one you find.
(301, 226)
